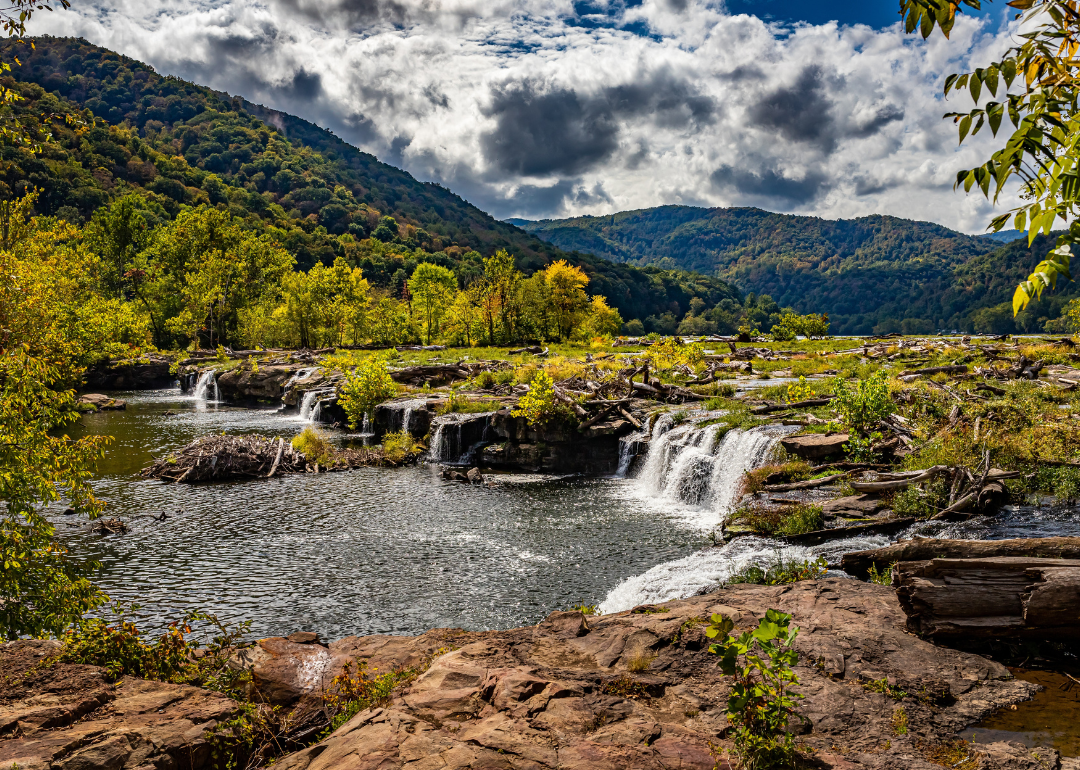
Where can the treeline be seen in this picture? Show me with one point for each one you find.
(874, 274)
(179, 146)
(204, 280)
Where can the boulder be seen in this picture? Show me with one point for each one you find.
(96, 402)
(474, 476)
(853, 507)
(815, 446)
(267, 385)
(60, 716)
(150, 371)
(572, 693)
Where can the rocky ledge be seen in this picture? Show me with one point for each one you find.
(637, 689)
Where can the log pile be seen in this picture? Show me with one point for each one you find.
(990, 598)
(221, 458)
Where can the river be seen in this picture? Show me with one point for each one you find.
(401, 550)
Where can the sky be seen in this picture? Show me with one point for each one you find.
(555, 108)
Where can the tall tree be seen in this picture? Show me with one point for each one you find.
(432, 288)
(568, 295)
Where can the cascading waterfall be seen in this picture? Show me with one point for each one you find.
(202, 387)
(406, 418)
(628, 451)
(308, 406)
(741, 451)
(435, 451)
(316, 412)
(456, 437)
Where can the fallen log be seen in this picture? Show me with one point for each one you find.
(804, 484)
(433, 373)
(769, 408)
(1013, 596)
(902, 483)
(957, 369)
(858, 563)
(630, 418)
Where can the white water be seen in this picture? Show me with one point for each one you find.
(705, 570)
(308, 406)
(686, 466)
(406, 419)
(202, 387)
(627, 452)
(452, 431)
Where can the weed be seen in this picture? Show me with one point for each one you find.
(882, 686)
(313, 445)
(957, 755)
(760, 703)
(781, 572)
(400, 446)
(865, 404)
(354, 690)
(640, 664)
(900, 721)
(920, 503)
(794, 470)
(786, 521)
(625, 687)
(883, 578)
(584, 609)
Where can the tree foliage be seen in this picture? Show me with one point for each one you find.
(365, 387)
(1035, 85)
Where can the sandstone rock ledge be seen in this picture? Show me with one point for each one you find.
(563, 694)
(567, 694)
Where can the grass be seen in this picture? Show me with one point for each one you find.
(882, 686)
(313, 444)
(784, 521)
(782, 473)
(781, 572)
(900, 721)
(640, 664)
(459, 404)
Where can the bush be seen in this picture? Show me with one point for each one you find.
(485, 380)
(313, 445)
(760, 703)
(539, 404)
(865, 404)
(353, 691)
(400, 446)
(786, 521)
(781, 573)
(365, 387)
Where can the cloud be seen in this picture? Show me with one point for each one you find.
(562, 107)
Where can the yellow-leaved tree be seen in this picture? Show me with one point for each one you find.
(568, 297)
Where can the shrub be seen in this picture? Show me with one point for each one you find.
(883, 578)
(313, 445)
(584, 609)
(539, 404)
(354, 690)
(365, 387)
(525, 374)
(865, 404)
(761, 702)
(782, 333)
(485, 380)
(800, 391)
(782, 573)
(900, 721)
(919, 503)
(789, 520)
(400, 446)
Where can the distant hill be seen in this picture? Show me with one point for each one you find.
(1005, 236)
(180, 144)
(875, 273)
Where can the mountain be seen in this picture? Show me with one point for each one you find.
(871, 274)
(1005, 236)
(180, 144)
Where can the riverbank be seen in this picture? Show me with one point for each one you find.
(635, 689)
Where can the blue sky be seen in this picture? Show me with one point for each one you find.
(551, 108)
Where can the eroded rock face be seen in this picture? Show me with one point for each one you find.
(68, 717)
(640, 690)
(147, 372)
(242, 385)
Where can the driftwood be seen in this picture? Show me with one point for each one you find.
(897, 484)
(858, 563)
(219, 458)
(1012, 596)
(769, 408)
(957, 369)
(804, 484)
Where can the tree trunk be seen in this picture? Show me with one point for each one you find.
(1002, 596)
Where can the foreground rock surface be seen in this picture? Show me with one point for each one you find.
(68, 717)
(640, 690)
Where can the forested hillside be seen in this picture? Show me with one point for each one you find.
(181, 145)
(874, 273)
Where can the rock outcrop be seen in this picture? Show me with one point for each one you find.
(58, 716)
(267, 385)
(858, 563)
(555, 447)
(815, 446)
(640, 690)
(97, 402)
(138, 374)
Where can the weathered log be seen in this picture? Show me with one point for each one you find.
(769, 408)
(603, 413)
(429, 373)
(630, 418)
(804, 484)
(897, 484)
(858, 563)
(991, 597)
(957, 369)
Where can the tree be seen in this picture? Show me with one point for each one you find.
(117, 233)
(42, 590)
(600, 320)
(1041, 154)
(432, 288)
(365, 387)
(568, 295)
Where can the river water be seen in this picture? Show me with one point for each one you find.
(401, 550)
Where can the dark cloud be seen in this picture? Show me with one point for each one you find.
(351, 12)
(304, 86)
(800, 112)
(540, 131)
(865, 185)
(771, 186)
(886, 115)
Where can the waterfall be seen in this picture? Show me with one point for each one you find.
(316, 411)
(406, 419)
(706, 570)
(628, 451)
(202, 387)
(435, 451)
(456, 437)
(365, 427)
(308, 405)
(687, 466)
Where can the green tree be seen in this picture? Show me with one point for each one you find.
(432, 288)
(365, 387)
(1037, 80)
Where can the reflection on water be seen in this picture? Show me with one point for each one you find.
(368, 551)
(1051, 718)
